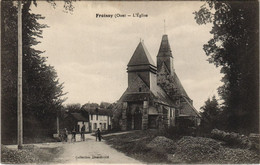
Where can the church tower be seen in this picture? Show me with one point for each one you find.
(141, 70)
(164, 56)
(164, 60)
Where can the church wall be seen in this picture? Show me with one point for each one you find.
(162, 76)
(134, 83)
(153, 81)
(145, 75)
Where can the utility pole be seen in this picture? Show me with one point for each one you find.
(58, 124)
(20, 74)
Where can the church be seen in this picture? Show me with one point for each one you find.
(155, 97)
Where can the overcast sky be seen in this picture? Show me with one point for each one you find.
(91, 54)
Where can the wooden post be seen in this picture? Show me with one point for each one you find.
(1, 62)
(58, 125)
(19, 96)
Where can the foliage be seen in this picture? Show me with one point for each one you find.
(104, 105)
(29, 154)
(232, 138)
(234, 48)
(90, 106)
(73, 107)
(210, 114)
(170, 88)
(42, 92)
(208, 151)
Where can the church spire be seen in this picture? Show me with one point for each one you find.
(141, 56)
(165, 49)
(164, 55)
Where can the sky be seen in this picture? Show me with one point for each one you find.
(90, 54)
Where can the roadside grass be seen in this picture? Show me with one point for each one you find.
(29, 154)
(134, 144)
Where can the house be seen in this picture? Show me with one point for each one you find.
(147, 103)
(99, 118)
(76, 120)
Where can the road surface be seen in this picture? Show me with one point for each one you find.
(91, 151)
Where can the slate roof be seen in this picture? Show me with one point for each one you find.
(79, 117)
(136, 96)
(161, 96)
(141, 56)
(192, 107)
(165, 49)
(179, 86)
(99, 111)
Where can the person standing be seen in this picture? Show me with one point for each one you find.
(82, 133)
(73, 135)
(98, 135)
(66, 133)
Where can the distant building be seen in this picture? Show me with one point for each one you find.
(76, 120)
(100, 118)
(146, 103)
(91, 118)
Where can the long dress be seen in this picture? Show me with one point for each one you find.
(99, 135)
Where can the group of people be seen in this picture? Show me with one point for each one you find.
(64, 136)
(73, 132)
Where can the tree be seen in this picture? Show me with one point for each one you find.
(234, 48)
(210, 114)
(104, 104)
(42, 92)
(71, 108)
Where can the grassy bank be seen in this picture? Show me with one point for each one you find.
(135, 144)
(29, 154)
(149, 146)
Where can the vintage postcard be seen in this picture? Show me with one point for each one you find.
(129, 82)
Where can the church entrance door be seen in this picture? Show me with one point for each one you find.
(152, 121)
(129, 121)
(138, 119)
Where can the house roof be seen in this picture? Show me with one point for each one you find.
(165, 49)
(99, 111)
(179, 86)
(161, 96)
(79, 117)
(141, 56)
(192, 107)
(136, 96)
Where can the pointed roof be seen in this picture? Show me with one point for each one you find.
(165, 49)
(79, 117)
(164, 68)
(141, 56)
(179, 86)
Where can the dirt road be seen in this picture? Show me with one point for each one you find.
(91, 152)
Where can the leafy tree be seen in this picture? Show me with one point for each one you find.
(210, 114)
(234, 48)
(88, 106)
(73, 108)
(104, 104)
(42, 92)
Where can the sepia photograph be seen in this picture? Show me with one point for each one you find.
(129, 82)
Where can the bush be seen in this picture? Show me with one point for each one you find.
(176, 132)
(232, 138)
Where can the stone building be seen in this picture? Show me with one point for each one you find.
(147, 102)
